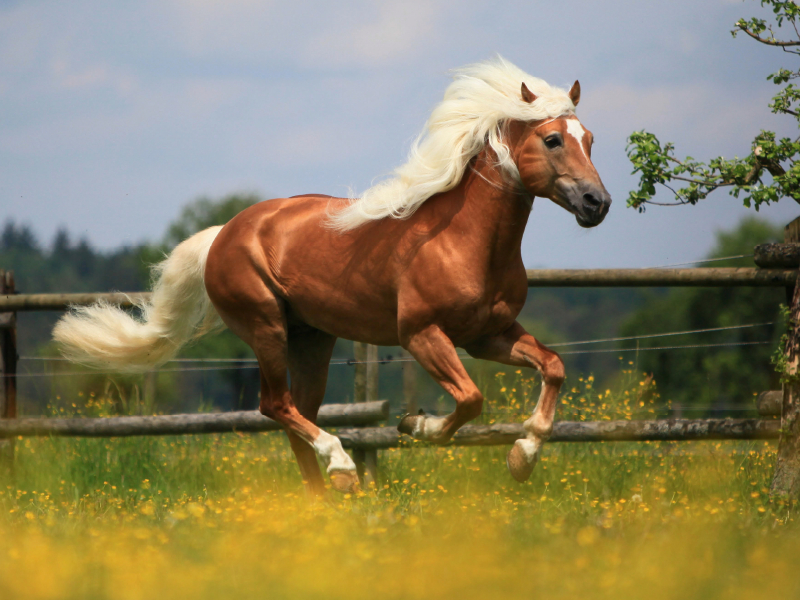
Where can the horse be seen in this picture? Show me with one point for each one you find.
(429, 259)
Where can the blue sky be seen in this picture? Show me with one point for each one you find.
(114, 115)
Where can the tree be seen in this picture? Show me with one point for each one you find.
(196, 216)
(68, 265)
(769, 173)
(708, 378)
(204, 213)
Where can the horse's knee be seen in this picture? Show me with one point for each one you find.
(553, 371)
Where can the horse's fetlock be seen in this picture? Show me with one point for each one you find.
(538, 428)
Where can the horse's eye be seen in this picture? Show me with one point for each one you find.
(552, 141)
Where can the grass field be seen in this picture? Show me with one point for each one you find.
(224, 516)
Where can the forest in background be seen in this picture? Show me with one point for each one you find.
(702, 380)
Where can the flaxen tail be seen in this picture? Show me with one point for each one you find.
(107, 337)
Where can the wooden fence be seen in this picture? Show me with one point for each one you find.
(250, 421)
(366, 441)
(720, 277)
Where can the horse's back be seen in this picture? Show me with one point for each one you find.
(284, 247)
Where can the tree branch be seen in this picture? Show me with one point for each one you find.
(768, 42)
(689, 169)
(706, 182)
(679, 203)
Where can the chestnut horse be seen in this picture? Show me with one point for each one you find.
(429, 260)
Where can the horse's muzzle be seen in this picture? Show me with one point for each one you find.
(593, 208)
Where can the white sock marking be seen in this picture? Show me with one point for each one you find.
(330, 450)
(428, 427)
(530, 447)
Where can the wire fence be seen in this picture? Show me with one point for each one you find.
(252, 363)
(700, 262)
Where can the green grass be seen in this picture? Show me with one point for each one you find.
(225, 516)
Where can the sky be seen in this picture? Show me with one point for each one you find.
(114, 115)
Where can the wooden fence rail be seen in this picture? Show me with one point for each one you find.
(373, 438)
(330, 415)
(722, 277)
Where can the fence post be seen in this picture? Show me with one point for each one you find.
(372, 373)
(786, 480)
(791, 235)
(365, 389)
(360, 379)
(8, 370)
(409, 383)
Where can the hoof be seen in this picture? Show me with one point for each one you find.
(411, 423)
(345, 482)
(521, 463)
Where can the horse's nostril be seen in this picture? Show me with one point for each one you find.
(592, 201)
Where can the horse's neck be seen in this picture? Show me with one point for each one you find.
(495, 210)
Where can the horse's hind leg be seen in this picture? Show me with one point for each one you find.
(270, 346)
(256, 315)
(518, 348)
(309, 352)
(437, 355)
(303, 453)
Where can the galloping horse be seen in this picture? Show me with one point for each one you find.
(429, 260)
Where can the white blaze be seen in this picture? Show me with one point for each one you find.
(576, 130)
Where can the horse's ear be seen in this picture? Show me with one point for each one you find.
(527, 95)
(575, 92)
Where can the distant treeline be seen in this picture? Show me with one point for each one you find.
(705, 378)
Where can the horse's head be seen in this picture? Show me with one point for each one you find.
(553, 157)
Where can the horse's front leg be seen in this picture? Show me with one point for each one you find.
(435, 352)
(518, 348)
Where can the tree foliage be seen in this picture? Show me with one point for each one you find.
(712, 377)
(769, 173)
(68, 265)
(204, 213)
(197, 216)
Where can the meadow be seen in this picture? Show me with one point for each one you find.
(225, 516)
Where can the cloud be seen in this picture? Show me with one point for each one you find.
(307, 35)
(68, 75)
(21, 35)
(390, 32)
(220, 27)
(707, 117)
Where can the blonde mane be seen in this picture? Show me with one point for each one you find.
(482, 96)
